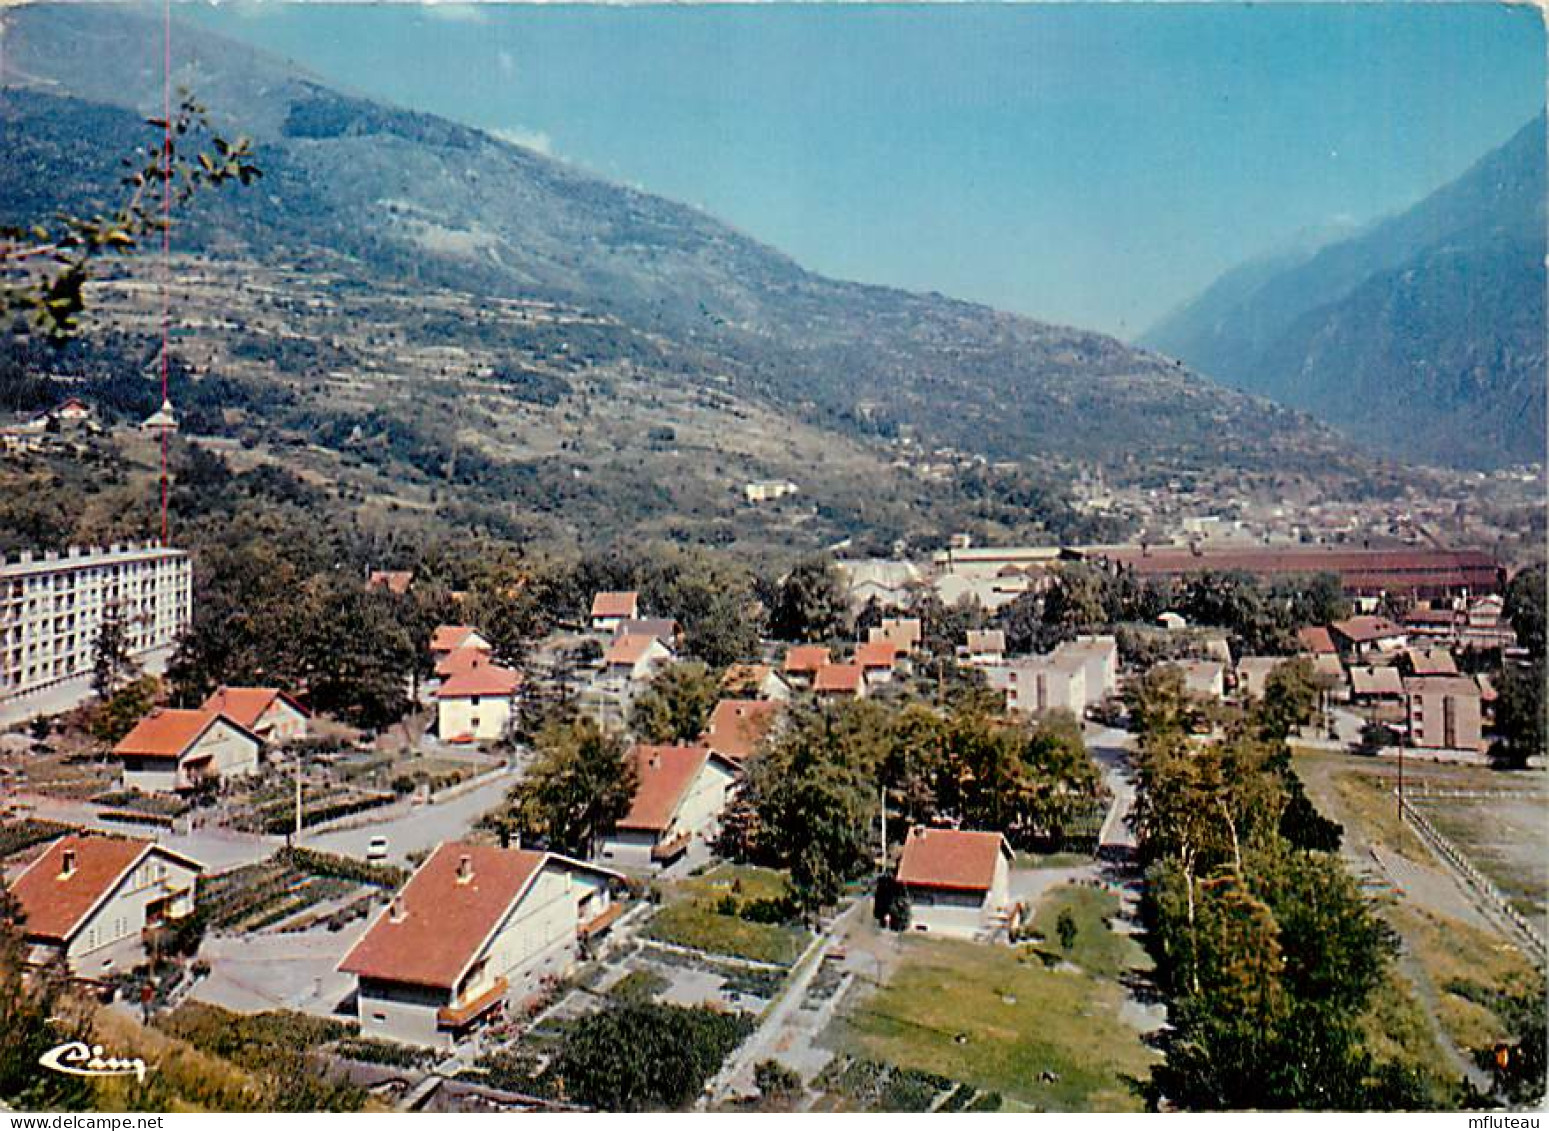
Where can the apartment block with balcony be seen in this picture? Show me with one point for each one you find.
(53, 606)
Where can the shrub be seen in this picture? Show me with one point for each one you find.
(775, 1081)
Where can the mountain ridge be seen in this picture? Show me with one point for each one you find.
(1275, 332)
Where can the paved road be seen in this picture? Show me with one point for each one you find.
(219, 850)
(256, 972)
(420, 829)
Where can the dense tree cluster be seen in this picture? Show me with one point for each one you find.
(1268, 950)
(814, 796)
(1259, 618)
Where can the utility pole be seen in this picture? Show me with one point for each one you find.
(298, 799)
(882, 789)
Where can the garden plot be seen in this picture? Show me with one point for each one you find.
(732, 911)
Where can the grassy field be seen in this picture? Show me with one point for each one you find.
(1504, 837)
(997, 1018)
(692, 916)
(1096, 949)
(1468, 967)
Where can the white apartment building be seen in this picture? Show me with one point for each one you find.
(53, 605)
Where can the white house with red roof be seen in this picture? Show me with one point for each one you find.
(477, 703)
(679, 795)
(634, 659)
(958, 883)
(266, 711)
(878, 660)
(173, 750)
(475, 927)
(610, 610)
(90, 898)
(840, 681)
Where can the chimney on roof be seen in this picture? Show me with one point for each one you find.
(656, 761)
(395, 910)
(67, 864)
(465, 869)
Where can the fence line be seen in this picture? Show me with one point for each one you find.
(1538, 947)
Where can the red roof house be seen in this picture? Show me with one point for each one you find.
(471, 929)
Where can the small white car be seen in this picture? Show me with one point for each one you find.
(377, 849)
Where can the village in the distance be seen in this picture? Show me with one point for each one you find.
(476, 636)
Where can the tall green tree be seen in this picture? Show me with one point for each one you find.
(676, 705)
(810, 603)
(579, 786)
(111, 660)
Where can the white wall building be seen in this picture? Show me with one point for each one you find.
(475, 927)
(958, 883)
(52, 607)
(680, 794)
(477, 704)
(170, 751)
(90, 898)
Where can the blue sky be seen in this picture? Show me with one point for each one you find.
(1091, 164)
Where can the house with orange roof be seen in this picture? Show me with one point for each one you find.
(755, 681)
(448, 638)
(395, 581)
(634, 660)
(461, 660)
(680, 793)
(839, 681)
(171, 750)
(737, 726)
(475, 927)
(477, 704)
(906, 632)
(802, 662)
(266, 711)
(958, 882)
(878, 660)
(90, 899)
(612, 609)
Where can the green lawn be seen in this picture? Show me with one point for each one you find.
(1018, 1022)
(691, 917)
(1097, 949)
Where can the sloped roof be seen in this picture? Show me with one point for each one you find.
(806, 658)
(246, 705)
(486, 679)
(1316, 639)
(462, 660)
(738, 725)
(631, 648)
(838, 677)
(450, 637)
(1458, 685)
(166, 733)
(877, 653)
(950, 858)
(1375, 681)
(746, 678)
(55, 905)
(1363, 630)
(664, 776)
(393, 580)
(443, 922)
(623, 604)
(663, 628)
(1432, 661)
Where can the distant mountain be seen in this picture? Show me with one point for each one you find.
(1423, 334)
(386, 200)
